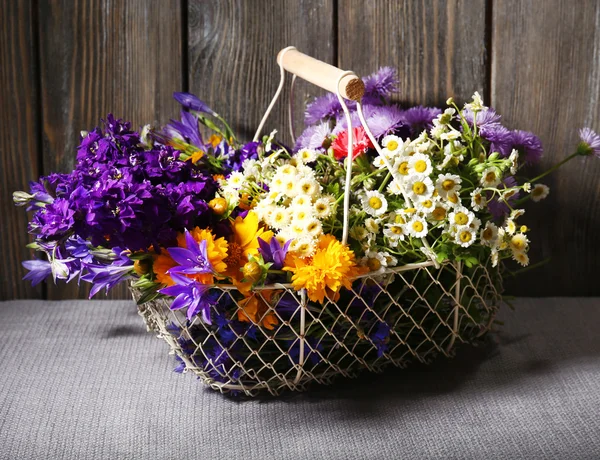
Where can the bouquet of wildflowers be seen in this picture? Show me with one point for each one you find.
(234, 237)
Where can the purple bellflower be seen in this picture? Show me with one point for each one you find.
(193, 259)
(191, 102)
(189, 294)
(273, 252)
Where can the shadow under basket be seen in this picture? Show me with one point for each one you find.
(277, 339)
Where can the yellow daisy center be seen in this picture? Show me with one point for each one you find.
(448, 184)
(490, 176)
(417, 226)
(518, 242)
(427, 204)
(487, 234)
(403, 168)
(420, 166)
(374, 264)
(461, 218)
(392, 145)
(396, 230)
(439, 213)
(453, 198)
(375, 202)
(465, 236)
(419, 188)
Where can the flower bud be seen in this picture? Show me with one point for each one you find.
(252, 271)
(218, 205)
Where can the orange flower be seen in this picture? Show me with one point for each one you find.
(255, 307)
(332, 267)
(216, 249)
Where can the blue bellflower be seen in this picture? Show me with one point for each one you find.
(189, 294)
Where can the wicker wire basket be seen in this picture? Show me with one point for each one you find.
(425, 308)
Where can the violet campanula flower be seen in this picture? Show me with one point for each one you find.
(191, 295)
(193, 259)
(273, 252)
(191, 102)
(380, 338)
(39, 270)
(529, 146)
(590, 142)
(107, 276)
(187, 129)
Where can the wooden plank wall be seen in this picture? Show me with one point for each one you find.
(65, 64)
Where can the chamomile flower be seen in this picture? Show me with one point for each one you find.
(478, 199)
(323, 207)
(313, 227)
(279, 217)
(519, 242)
(527, 187)
(374, 203)
(460, 216)
(490, 177)
(489, 235)
(447, 183)
(371, 225)
(476, 105)
(236, 180)
(379, 162)
(395, 232)
(301, 214)
(376, 262)
(306, 155)
(358, 232)
(417, 226)
(392, 145)
(521, 257)
(464, 236)
(290, 187)
(420, 163)
(302, 200)
(401, 166)
(516, 213)
(425, 206)
(495, 257)
(304, 247)
(439, 212)
(539, 192)
(419, 187)
(309, 186)
(450, 135)
(510, 227)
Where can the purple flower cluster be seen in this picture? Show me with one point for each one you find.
(122, 195)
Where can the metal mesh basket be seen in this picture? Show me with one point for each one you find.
(428, 311)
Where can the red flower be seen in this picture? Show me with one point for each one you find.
(360, 143)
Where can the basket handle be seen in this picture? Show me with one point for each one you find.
(321, 74)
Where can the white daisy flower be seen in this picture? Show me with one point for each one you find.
(395, 188)
(306, 155)
(401, 166)
(419, 187)
(450, 135)
(514, 161)
(286, 170)
(290, 187)
(372, 225)
(464, 236)
(309, 186)
(302, 200)
(313, 227)
(439, 212)
(475, 224)
(395, 232)
(516, 213)
(447, 183)
(510, 227)
(461, 216)
(519, 242)
(250, 168)
(374, 203)
(323, 207)
(527, 187)
(521, 257)
(358, 232)
(301, 215)
(390, 260)
(420, 164)
(437, 131)
(495, 257)
(304, 247)
(426, 206)
(539, 192)
(417, 227)
(477, 103)
(478, 199)
(379, 162)
(392, 144)
(489, 235)
(279, 217)
(508, 193)
(490, 177)
(236, 180)
(376, 262)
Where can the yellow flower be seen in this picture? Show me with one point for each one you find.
(332, 267)
(254, 309)
(244, 243)
(216, 249)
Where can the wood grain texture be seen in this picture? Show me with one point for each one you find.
(438, 47)
(546, 79)
(232, 49)
(104, 56)
(19, 146)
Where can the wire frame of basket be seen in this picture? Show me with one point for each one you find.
(393, 316)
(411, 313)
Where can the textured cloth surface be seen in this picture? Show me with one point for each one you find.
(83, 379)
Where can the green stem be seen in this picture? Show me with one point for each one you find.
(385, 181)
(553, 168)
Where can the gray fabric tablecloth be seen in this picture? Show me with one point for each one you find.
(83, 379)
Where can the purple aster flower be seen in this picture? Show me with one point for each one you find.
(380, 85)
(500, 139)
(39, 270)
(487, 117)
(189, 294)
(385, 119)
(590, 142)
(420, 118)
(324, 107)
(273, 252)
(528, 145)
(191, 102)
(108, 276)
(193, 259)
(313, 137)
(380, 338)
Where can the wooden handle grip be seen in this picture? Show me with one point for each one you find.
(321, 74)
